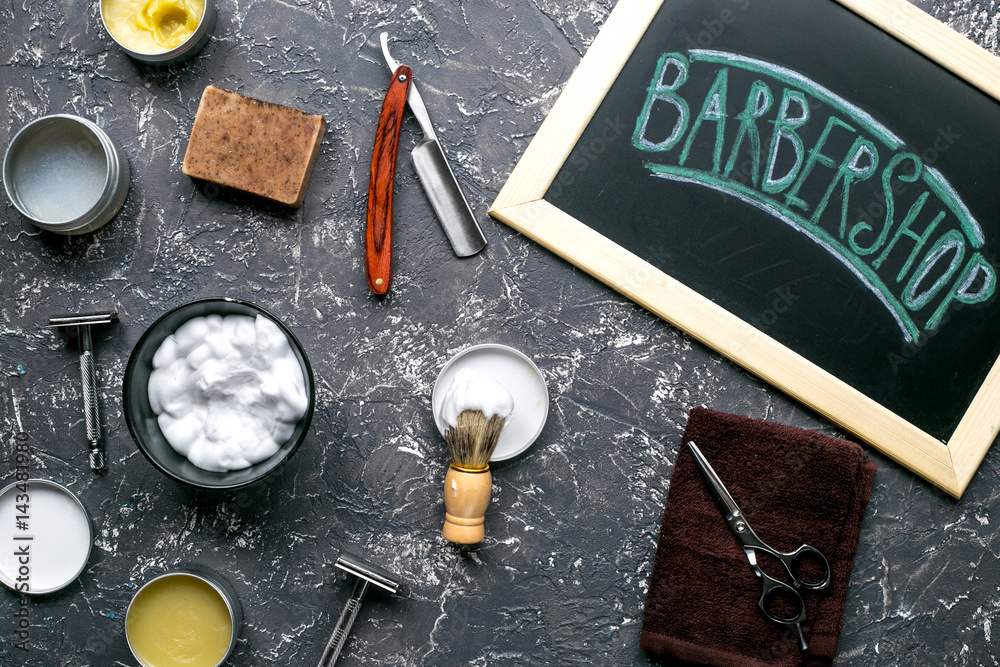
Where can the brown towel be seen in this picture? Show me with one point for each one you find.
(794, 486)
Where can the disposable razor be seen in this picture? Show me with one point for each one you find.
(365, 573)
(88, 374)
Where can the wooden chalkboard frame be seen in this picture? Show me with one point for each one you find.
(520, 205)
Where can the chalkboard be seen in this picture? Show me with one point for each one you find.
(812, 192)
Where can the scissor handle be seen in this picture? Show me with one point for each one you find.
(793, 562)
(773, 591)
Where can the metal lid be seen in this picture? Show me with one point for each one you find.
(45, 536)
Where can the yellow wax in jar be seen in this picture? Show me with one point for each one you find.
(152, 26)
(179, 620)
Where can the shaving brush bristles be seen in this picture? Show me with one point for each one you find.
(473, 439)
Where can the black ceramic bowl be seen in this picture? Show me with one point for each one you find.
(141, 419)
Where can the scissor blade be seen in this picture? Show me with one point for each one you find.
(715, 486)
(413, 97)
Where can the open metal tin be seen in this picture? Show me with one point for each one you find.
(184, 51)
(45, 536)
(65, 174)
(152, 610)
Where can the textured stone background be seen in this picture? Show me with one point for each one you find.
(573, 524)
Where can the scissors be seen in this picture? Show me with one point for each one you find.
(773, 590)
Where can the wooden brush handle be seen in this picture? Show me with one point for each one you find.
(466, 495)
(378, 227)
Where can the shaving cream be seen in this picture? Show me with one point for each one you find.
(470, 391)
(227, 391)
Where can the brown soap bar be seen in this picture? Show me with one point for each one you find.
(259, 147)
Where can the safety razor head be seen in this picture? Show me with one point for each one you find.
(82, 319)
(371, 573)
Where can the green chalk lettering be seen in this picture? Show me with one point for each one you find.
(784, 128)
(975, 269)
(759, 102)
(921, 239)
(659, 91)
(938, 273)
(714, 111)
(887, 191)
(816, 156)
(950, 199)
(851, 171)
(951, 240)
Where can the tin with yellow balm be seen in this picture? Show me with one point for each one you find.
(162, 32)
(185, 618)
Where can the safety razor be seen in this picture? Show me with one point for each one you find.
(365, 573)
(80, 325)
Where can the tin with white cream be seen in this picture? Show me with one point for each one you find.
(65, 174)
(514, 372)
(46, 537)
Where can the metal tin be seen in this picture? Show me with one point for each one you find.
(517, 374)
(45, 536)
(220, 585)
(65, 174)
(191, 46)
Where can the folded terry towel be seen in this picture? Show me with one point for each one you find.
(794, 486)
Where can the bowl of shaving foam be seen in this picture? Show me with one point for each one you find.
(218, 393)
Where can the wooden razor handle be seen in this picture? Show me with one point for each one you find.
(378, 227)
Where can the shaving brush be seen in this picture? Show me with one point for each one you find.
(476, 411)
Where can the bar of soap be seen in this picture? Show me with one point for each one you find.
(259, 147)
